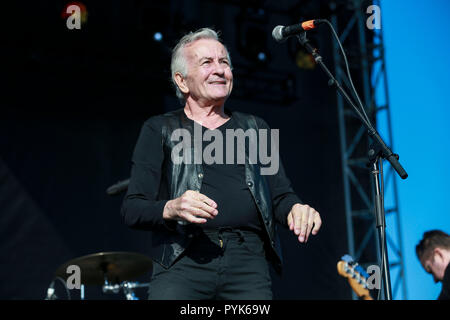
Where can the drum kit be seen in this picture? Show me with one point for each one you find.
(114, 271)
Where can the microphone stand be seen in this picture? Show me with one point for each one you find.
(378, 152)
(117, 188)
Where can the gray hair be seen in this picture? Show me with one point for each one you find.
(178, 63)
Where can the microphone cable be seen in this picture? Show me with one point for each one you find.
(355, 93)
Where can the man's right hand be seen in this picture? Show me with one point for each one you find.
(192, 207)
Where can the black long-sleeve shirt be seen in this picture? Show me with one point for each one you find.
(223, 183)
(445, 292)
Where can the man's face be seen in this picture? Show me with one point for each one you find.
(435, 264)
(209, 77)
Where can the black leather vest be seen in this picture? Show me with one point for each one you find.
(168, 243)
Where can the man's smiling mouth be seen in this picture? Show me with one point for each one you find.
(218, 82)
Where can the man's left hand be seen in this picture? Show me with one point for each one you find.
(302, 219)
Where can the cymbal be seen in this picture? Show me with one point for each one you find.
(115, 267)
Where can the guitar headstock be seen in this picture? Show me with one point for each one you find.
(356, 276)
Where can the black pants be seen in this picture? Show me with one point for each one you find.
(223, 265)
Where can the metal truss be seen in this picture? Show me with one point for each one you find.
(369, 75)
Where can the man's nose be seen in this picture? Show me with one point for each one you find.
(219, 68)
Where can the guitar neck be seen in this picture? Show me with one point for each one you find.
(356, 279)
(366, 297)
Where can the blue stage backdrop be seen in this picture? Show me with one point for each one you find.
(417, 47)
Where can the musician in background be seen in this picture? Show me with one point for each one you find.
(433, 252)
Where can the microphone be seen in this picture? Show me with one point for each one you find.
(118, 187)
(281, 33)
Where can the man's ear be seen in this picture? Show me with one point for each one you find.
(439, 253)
(181, 82)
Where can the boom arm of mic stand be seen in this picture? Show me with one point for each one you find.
(386, 153)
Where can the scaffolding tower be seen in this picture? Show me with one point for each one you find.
(367, 64)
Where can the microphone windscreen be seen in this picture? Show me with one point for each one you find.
(277, 34)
